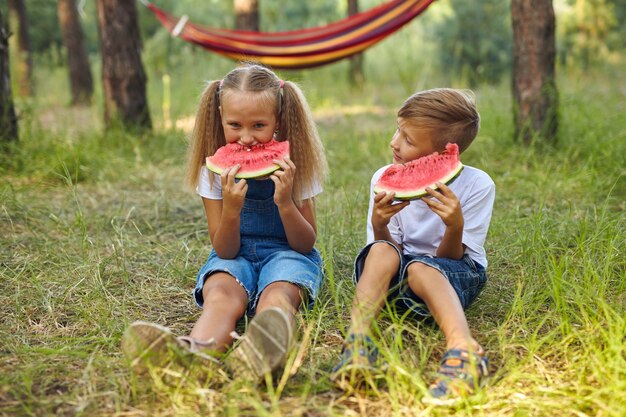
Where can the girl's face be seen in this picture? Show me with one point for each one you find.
(247, 119)
(410, 142)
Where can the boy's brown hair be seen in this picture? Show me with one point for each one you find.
(450, 115)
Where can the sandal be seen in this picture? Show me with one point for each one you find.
(358, 365)
(460, 373)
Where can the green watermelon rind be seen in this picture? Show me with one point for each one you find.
(243, 175)
(421, 192)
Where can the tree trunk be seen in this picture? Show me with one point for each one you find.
(535, 107)
(123, 76)
(356, 76)
(19, 19)
(81, 81)
(247, 15)
(8, 121)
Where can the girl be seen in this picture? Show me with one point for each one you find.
(262, 231)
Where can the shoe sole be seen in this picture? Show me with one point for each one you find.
(147, 344)
(264, 347)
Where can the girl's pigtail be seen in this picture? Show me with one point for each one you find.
(306, 149)
(207, 135)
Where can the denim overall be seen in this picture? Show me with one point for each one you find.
(264, 255)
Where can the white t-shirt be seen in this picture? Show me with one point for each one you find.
(420, 231)
(205, 190)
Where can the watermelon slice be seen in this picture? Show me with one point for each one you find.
(255, 161)
(409, 181)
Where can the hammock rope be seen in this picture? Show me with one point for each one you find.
(303, 48)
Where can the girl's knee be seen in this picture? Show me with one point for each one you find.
(224, 291)
(281, 294)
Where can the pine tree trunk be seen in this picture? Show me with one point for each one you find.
(81, 81)
(356, 77)
(24, 67)
(8, 121)
(247, 15)
(123, 76)
(535, 107)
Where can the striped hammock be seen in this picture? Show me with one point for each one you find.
(304, 48)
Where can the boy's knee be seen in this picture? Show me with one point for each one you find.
(419, 274)
(382, 251)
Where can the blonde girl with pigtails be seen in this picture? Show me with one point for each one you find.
(262, 232)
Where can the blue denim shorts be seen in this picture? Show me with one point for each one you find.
(466, 276)
(262, 262)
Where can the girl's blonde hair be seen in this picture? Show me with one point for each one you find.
(450, 115)
(292, 112)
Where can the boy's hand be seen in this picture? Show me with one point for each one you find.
(446, 205)
(233, 193)
(283, 180)
(384, 209)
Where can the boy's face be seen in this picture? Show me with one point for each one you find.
(410, 142)
(246, 119)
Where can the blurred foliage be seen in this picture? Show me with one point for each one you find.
(475, 39)
(617, 37)
(588, 32)
(283, 15)
(464, 41)
(45, 34)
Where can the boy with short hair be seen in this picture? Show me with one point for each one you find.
(426, 255)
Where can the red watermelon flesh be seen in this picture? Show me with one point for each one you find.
(255, 161)
(409, 181)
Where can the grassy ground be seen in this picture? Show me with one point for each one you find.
(96, 232)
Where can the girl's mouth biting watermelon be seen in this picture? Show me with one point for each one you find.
(254, 161)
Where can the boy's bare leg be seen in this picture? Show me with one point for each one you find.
(225, 302)
(381, 265)
(443, 303)
(358, 366)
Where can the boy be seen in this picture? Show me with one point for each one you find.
(426, 255)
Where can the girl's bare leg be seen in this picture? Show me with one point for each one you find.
(225, 302)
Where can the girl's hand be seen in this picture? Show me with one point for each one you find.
(283, 179)
(446, 205)
(384, 209)
(233, 193)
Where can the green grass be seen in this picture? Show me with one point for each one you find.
(96, 232)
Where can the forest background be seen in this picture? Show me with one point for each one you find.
(96, 230)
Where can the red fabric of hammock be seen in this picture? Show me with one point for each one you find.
(300, 48)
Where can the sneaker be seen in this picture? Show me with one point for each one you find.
(148, 345)
(264, 347)
(359, 366)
